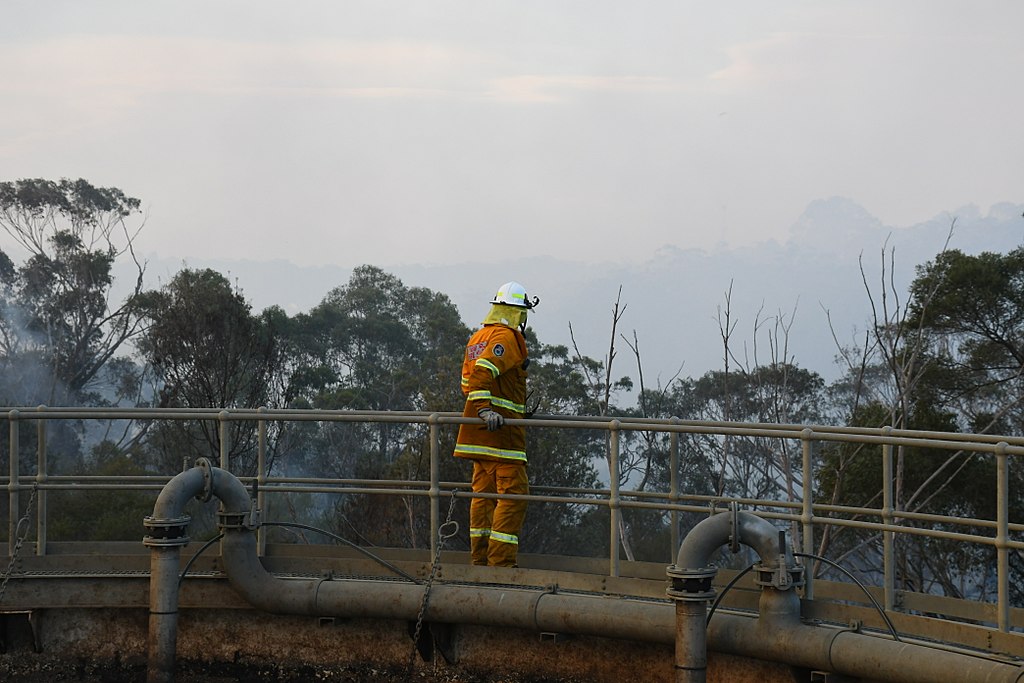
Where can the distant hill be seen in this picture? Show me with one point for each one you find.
(672, 300)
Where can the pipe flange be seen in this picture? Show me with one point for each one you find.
(166, 531)
(691, 593)
(691, 585)
(677, 572)
(151, 542)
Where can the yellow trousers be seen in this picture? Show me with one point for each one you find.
(494, 524)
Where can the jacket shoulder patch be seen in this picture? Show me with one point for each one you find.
(476, 350)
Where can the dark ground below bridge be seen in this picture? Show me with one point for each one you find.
(31, 668)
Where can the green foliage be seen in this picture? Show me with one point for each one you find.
(976, 321)
(376, 344)
(744, 466)
(57, 330)
(208, 350)
(75, 200)
(373, 344)
(96, 515)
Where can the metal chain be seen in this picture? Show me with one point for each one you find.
(447, 530)
(20, 533)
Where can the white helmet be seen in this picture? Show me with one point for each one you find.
(514, 294)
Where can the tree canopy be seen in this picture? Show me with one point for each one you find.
(949, 357)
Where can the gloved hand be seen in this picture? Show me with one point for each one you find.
(492, 419)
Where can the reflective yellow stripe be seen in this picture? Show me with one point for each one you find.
(480, 533)
(489, 365)
(504, 538)
(507, 404)
(504, 453)
(484, 395)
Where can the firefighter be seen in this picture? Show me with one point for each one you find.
(494, 382)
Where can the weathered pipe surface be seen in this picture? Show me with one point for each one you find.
(778, 636)
(526, 608)
(852, 654)
(712, 533)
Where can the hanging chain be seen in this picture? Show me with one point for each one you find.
(20, 533)
(447, 530)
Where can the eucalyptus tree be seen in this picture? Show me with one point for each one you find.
(753, 466)
(976, 322)
(976, 319)
(376, 344)
(57, 318)
(209, 350)
(373, 343)
(946, 359)
(61, 331)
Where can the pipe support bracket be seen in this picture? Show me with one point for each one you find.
(204, 466)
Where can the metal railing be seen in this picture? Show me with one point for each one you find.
(811, 517)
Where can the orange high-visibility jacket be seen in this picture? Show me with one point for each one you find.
(493, 377)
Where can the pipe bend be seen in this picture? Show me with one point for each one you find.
(230, 491)
(712, 533)
(176, 494)
(186, 485)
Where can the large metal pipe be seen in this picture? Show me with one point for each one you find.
(527, 608)
(165, 537)
(692, 575)
(778, 635)
(739, 526)
(540, 610)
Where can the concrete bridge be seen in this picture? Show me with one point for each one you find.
(244, 607)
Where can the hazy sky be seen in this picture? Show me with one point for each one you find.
(417, 131)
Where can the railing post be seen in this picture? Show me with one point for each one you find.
(673, 492)
(225, 435)
(888, 537)
(41, 480)
(261, 480)
(13, 503)
(435, 482)
(807, 509)
(613, 499)
(1003, 536)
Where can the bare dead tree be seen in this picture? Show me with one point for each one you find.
(602, 390)
(649, 438)
(726, 326)
(901, 347)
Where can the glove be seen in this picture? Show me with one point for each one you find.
(492, 419)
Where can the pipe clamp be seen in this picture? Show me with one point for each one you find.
(204, 466)
(781, 578)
